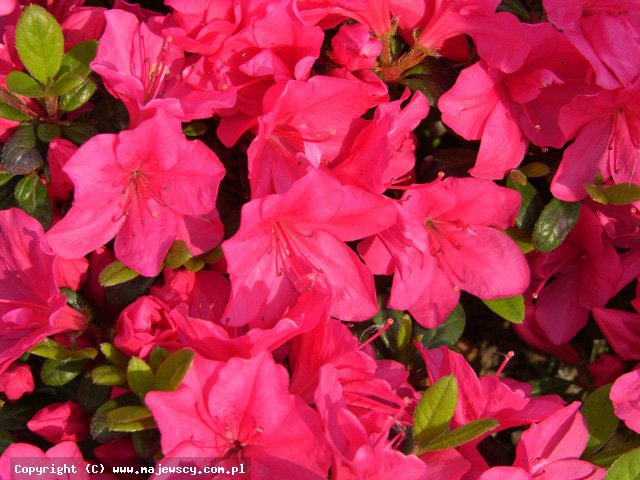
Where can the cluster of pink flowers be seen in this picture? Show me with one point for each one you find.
(300, 208)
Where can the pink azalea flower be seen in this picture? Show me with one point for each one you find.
(244, 410)
(607, 142)
(353, 48)
(585, 268)
(31, 305)
(58, 154)
(606, 369)
(288, 243)
(625, 395)
(144, 192)
(551, 449)
(7, 7)
(148, 72)
(598, 28)
(446, 239)
(621, 329)
(16, 381)
(65, 454)
(60, 422)
(373, 13)
(506, 111)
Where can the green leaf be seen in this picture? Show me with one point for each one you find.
(139, 376)
(25, 85)
(554, 224)
(91, 396)
(50, 349)
(20, 155)
(128, 414)
(77, 97)
(510, 308)
(627, 467)
(56, 373)
(47, 132)
(77, 59)
(33, 198)
(79, 132)
(136, 426)
(171, 372)
(606, 457)
(116, 273)
(548, 385)
(435, 410)
(109, 375)
(115, 356)
(596, 194)
(158, 355)
(194, 264)
(622, 193)
(177, 255)
(195, 129)
(88, 353)
(76, 301)
(460, 436)
(403, 337)
(5, 177)
(146, 443)
(67, 82)
(597, 410)
(448, 332)
(11, 113)
(535, 170)
(99, 426)
(531, 205)
(518, 177)
(40, 43)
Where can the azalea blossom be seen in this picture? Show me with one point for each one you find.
(150, 188)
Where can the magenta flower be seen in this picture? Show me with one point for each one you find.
(63, 454)
(60, 422)
(288, 243)
(31, 305)
(242, 409)
(16, 381)
(625, 395)
(148, 187)
(447, 239)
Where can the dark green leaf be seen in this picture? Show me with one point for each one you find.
(91, 396)
(447, 333)
(76, 301)
(25, 85)
(115, 356)
(77, 59)
(39, 42)
(460, 436)
(12, 108)
(139, 376)
(606, 457)
(109, 375)
(627, 467)
(597, 410)
(5, 177)
(99, 427)
(47, 132)
(78, 96)
(554, 224)
(511, 308)
(56, 373)
(19, 154)
(128, 414)
(531, 205)
(12, 113)
(622, 193)
(32, 197)
(515, 7)
(67, 82)
(146, 443)
(125, 293)
(79, 133)
(50, 349)
(171, 372)
(404, 332)
(158, 355)
(178, 255)
(548, 385)
(6, 439)
(195, 129)
(435, 410)
(116, 273)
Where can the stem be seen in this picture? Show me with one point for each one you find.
(405, 62)
(13, 101)
(51, 106)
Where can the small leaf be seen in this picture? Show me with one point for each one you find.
(448, 332)
(158, 355)
(606, 457)
(99, 426)
(212, 256)
(67, 82)
(116, 273)
(195, 129)
(78, 96)
(79, 133)
(194, 264)
(109, 375)
(627, 467)
(33, 198)
(136, 426)
(19, 155)
(518, 177)
(171, 372)
(435, 410)
(25, 85)
(139, 376)
(128, 414)
(522, 239)
(5, 177)
(146, 443)
(39, 42)
(531, 205)
(535, 170)
(47, 132)
(77, 59)
(511, 308)
(91, 396)
(554, 224)
(88, 353)
(50, 349)
(596, 194)
(178, 255)
(548, 385)
(460, 436)
(622, 193)
(11, 113)
(403, 337)
(602, 423)
(115, 356)
(56, 373)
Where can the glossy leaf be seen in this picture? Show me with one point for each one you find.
(25, 85)
(116, 273)
(67, 82)
(115, 356)
(56, 373)
(109, 375)
(602, 423)
(627, 467)
(462, 435)
(33, 198)
(172, 370)
(75, 98)
(435, 410)
(511, 308)
(177, 255)
(448, 332)
(20, 155)
(554, 224)
(531, 205)
(139, 376)
(77, 59)
(50, 349)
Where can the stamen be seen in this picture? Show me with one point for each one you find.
(507, 357)
(382, 329)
